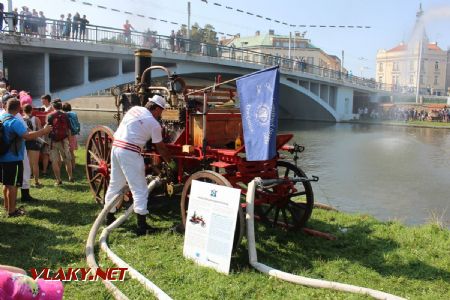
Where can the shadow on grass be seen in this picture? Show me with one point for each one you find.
(33, 246)
(288, 250)
(66, 212)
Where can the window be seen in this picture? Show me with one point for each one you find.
(436, 78)
(380, 68)
(380, 79)
(421, 79)
(394, 80)
(411, 79)
(395, 66)
(436, 65)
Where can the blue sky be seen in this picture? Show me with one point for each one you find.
(391, 21)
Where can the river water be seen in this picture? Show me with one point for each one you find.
(389, 172)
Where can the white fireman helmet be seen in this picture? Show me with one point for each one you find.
(158, 100)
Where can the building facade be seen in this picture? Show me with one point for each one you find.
(399, 67)
(295, 47)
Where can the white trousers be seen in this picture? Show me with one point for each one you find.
(128, 167)
(26, 171)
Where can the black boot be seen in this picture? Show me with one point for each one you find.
(25, 196)
(110, 218)
(142, 226)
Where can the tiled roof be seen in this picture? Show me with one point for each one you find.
(404, 47)
(434, 46)
(401, 47)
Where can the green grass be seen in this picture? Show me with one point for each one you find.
(412, 262)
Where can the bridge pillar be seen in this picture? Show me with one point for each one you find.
(324, 92)
(86, 70)
(120, 66)
(344, 103)
(46, 73)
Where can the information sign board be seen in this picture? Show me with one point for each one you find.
(210, 224)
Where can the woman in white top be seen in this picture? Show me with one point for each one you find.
(33, 146)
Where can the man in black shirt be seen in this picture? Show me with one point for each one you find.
(83, 23)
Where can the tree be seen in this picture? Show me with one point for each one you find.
(202, 35)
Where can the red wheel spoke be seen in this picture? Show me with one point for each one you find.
(106, 152)
(99, 187)
(98, 175)
(100, 144)
(95, 143)
(97, 159)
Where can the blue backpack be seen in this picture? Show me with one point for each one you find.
(74, 123)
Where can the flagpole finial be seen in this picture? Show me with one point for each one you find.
(420, 12)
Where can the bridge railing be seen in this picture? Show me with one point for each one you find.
(58, 29)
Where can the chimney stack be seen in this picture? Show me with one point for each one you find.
(271, 32)
(257, 33)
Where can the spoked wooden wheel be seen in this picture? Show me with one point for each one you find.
(294, 208)
(215, 178)
(98, 161)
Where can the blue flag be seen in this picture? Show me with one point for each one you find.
(258, 95)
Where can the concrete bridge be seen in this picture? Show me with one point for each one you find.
(70, 69)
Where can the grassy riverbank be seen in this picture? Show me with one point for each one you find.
(411, 262)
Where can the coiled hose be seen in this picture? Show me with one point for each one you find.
(90, 256)
(291, 277)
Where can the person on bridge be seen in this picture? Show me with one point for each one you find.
(83, 23)
(75, 26)
(127, 27)
(127, 164)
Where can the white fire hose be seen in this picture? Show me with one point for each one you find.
(90, 256)
(291, 277)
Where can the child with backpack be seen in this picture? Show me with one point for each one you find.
(75, 130)
(59, 141)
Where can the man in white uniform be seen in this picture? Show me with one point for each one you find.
(127, 164)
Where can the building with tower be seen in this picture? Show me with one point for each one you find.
(399, 67)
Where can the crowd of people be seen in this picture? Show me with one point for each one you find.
(414, 114)
(30, 22)
(25, 142)
(404, 113)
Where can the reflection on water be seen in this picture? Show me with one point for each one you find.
(386, 171)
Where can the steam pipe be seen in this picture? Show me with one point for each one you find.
(154, 68)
